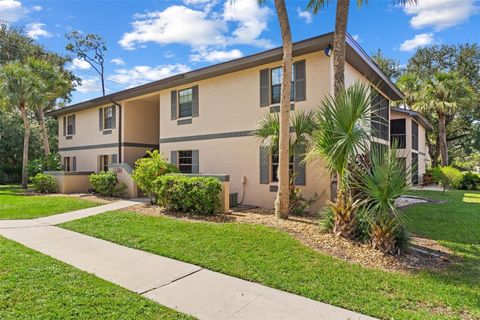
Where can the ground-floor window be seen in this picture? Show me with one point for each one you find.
(185, 161)
(104, 163)
(414, 168)
(274, 162)
(67, 164)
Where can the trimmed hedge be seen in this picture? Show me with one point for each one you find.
(44, 183)
(107, 184)
(192, 195)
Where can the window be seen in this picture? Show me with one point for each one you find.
(185, 105)
(414, 135)
(185, 161)
(274, 163)
(108, 118)
(67, 164)
(104, 163)
(398, 134)
(276, 76)
(414, 168)
(70, 125)
(380, 115)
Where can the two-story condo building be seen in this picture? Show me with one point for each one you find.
(204, 120)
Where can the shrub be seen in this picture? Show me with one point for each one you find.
(470, 181)
(50, 163)
(44, 183)
(150, 168)
(447, 177)
(107, 184)
(298, 203)
(192, 195)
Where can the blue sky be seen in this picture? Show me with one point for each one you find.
(149, 40)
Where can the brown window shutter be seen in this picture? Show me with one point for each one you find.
(64, 126)
(195, 102)
(300, 81)
(264, 87)
(114, 116)
(74, 125)
(173, 104)
(100, 119)
(173, 157)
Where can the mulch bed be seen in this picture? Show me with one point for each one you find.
(425, 254)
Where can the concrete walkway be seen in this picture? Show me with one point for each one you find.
(185, 287)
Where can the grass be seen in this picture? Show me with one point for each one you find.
(34, 286)
(274, 258)
(14, 204)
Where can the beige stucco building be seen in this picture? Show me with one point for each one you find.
(203, 120)
(408, 134)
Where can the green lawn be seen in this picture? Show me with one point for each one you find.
(274, 258)
(34, 286)
(14, 204)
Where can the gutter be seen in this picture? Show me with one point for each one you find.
(119, 128)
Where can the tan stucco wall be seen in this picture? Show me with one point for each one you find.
(423, 157)
(71, 183)
(87, 131)
(239, 157)
(141, 121)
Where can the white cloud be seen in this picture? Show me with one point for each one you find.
(142, 74)
(440, 14)
(37, 8)
(80, 64)
(216, 55)
(306, 15)
(251, 21)
(90, 85)
(420, 40)
(169, 54)
(240, 22)
(11, 10)
(176, 24)
(118, 61)
(36, 30)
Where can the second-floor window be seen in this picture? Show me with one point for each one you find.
(276, 89)
(380, 115)
(70, 125)
(108, 117)
(398, 134)
(185, 105)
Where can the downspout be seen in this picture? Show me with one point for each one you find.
(119, 129)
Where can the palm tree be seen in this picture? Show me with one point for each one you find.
(20, 88)
(380, 185)
(56, 85)
(410, 85)
(343, 121)
(304, 124)
(339, 44)
(444, 94)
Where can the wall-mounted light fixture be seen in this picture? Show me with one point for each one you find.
(328, 51)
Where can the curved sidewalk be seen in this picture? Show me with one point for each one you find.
(182, 286)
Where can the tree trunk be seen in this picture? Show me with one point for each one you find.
(26, 138)
(283, 196)
(43, 129)
(339, 45)
(442, 135)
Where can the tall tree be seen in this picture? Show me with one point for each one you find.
(444, 94)
(339, 37)
(90, 48)
(389, 66)
(19, 88)
(56, 85)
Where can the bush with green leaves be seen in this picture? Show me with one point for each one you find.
(191, 195)
(470, 181)
(44, 183)
(107, 184)
(148, 169)
(447, 177)
(39, 165)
